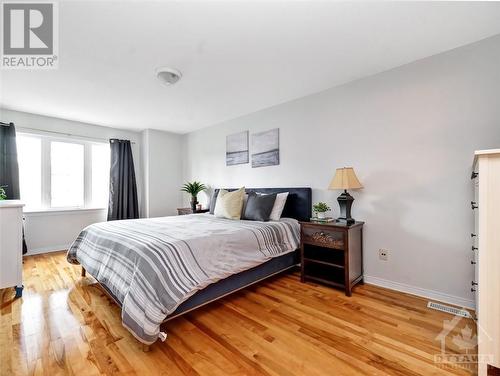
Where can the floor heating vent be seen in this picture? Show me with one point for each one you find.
(448, 309)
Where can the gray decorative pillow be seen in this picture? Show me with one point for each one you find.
(213, 200)
(259, 207)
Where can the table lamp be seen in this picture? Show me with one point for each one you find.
(345, 179)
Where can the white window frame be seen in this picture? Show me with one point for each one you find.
(45, 170)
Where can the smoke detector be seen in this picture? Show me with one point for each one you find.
(168, 76)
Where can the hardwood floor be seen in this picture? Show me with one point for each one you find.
(66, 325)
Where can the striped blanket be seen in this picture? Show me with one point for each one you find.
(153, 265)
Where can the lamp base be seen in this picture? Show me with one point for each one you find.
(345, 202)
(345, 221)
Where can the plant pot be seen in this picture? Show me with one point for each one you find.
(194, 202)
(320, 215)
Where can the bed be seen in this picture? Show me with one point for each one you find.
(159, 268)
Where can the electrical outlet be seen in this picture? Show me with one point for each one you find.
(383, 254)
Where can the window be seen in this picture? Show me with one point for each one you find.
(66, 175)
(62, 173)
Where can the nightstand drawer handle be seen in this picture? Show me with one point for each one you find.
(325, 238)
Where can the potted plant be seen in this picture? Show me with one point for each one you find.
(193, 188)
(320, 208)
(3, 195)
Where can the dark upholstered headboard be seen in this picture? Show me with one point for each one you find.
(298, 203)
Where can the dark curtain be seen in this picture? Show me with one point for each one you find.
(122, 186)
(9, 168)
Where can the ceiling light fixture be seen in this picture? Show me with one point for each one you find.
(168, 76)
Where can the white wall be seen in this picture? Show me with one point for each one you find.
(56, 230)
(161, 155)
(410, 134)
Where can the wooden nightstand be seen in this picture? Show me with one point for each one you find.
(184, 211)
(332, 253)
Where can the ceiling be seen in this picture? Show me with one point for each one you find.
(235, 57)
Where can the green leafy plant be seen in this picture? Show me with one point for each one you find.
(3, 195)
(321, 207)
(193, 188)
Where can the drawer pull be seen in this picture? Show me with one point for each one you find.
(472, 289)
(473, 262)
(473, 283)
(473, 205)
(474, 175)
(474, 248)
(472, 235)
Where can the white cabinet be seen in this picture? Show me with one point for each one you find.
(11, 246)
(486, 206)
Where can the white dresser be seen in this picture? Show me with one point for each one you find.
(11, 246)
(486, 248)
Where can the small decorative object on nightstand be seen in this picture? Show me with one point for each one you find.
(332, 253)
(184, 211)
(345, 179)
(320, 209)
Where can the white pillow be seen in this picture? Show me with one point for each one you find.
(278, 206)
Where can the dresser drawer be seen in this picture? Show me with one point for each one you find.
(11, 246)
(323, 237)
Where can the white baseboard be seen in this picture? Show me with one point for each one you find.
(53, 248)
(429, 294)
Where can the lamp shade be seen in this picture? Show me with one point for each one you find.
(345, 178)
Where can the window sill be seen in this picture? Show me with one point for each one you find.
(60, 211)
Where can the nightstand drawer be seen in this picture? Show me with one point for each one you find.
(323, 237)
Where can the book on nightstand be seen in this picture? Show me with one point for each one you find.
(321, 220)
